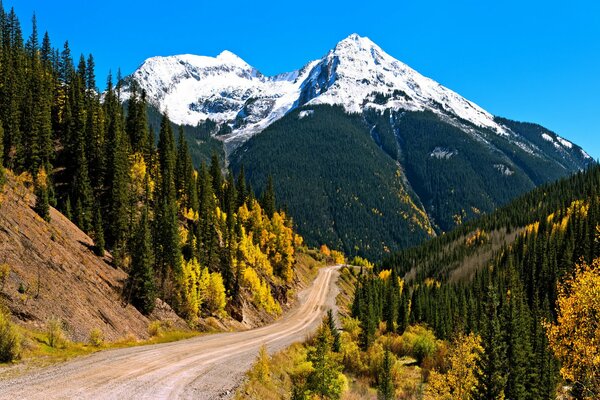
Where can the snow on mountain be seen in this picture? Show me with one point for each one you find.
(359, 73)
(356, 74)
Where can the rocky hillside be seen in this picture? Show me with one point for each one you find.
(53, 272)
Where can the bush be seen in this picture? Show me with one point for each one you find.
(96, 338)
(55, 333)
(155, 329)
(423, 347)
(417, 341)
(4, 274)
(10, 340)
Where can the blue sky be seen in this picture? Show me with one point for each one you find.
(528, 60)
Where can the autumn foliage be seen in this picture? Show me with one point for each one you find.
(575, 337)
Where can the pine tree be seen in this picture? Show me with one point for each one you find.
(216, 177)
(99, 243)
(517, 332)
(268, 198)
(141, 278)
(242, 191)
(492, 363)
(385, 388)
(324, 381)
(117, 176)
(335, 333)
(168, 252)
(1, 154)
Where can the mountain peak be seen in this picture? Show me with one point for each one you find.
(356, 43)
(228, 57)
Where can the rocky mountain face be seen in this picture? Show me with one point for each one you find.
(433, 153)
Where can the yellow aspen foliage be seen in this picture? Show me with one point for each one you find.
(274, 238)
(460, 381)
(203, 284)
(532, 228)
(190, 214)
(430, 282)
(253, 256)
(325, 250)
(362, 262)
(575, 337)
(261, 370)
(263, 298)
(243, 213)
(476, 238)
(191, 302)
(338, 257)
(401, 284)
(298, 241)
(184, 234)
(216, 299)
(137, 176)
(385, 274)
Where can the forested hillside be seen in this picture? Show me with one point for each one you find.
(376, 182)
(497, 277)
(193, 237)
(337, 183)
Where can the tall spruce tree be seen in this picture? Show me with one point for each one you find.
(492, 362)
(168, 251)
(117, 175)
(385, 387)
(268, 198)
(141, 285)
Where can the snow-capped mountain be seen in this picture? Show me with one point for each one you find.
(367, 153)
(356, 74)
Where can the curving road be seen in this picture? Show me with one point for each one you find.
(207, 367)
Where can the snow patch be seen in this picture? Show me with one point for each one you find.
(305, 113)
(442, 154)
(504, 170)
(564, 142)
(584, 154)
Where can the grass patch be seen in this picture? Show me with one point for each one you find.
(37, 352)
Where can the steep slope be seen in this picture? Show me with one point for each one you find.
(59, 274)
(371, 183)
(338, 184)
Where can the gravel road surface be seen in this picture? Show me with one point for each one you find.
(206, 367)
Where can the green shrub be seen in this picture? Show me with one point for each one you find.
(10, 340)
(96, 338)
(155, 329)
(4, 274)
(55, 333)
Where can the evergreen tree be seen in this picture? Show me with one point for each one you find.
(242, 191)
(385, 388)
(324, 380)
(141, 278)
(517, 337)
(335, 333)
(216, 177)
(168, 252)
(42, 206)
(268, 198)
(117, 176)
(492, 363)
(99, 243)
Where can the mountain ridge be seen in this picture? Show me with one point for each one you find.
(356, 73)
(426, 148)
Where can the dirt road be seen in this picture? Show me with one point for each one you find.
(208, 367)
